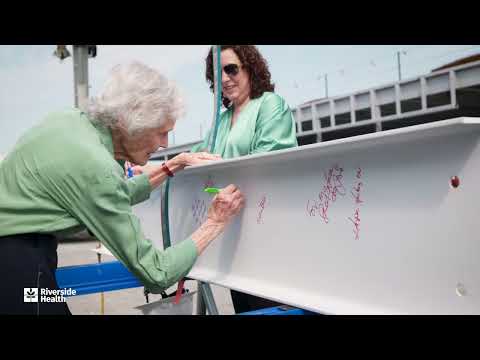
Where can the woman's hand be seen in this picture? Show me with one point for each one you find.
(177, 163)
(199, 158)
(156, 175)
(148, 169)
(225, 205)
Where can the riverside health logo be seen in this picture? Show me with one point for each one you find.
(47, 295)
(30, 294)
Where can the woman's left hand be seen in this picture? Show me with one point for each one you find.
(155, 173)
(189, 159)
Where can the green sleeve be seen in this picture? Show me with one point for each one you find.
(139, 188)
(275, 127)
(99, 198)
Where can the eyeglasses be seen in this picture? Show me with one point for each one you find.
(231, 69)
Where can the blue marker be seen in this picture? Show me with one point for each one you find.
(130, 172)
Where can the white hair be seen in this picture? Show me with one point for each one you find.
(136, 97)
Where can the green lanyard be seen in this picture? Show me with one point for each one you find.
(217, 88)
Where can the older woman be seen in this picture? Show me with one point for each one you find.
(66, 174)
(256, 120)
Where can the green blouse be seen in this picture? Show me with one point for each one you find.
(265, 124)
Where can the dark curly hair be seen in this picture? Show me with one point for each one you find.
(255, 65)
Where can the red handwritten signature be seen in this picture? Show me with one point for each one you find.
(359, 173)
(356, 192)
(209, 183)
(356, 223)
(332, 187)
(262, 208)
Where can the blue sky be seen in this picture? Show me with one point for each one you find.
(34, 82)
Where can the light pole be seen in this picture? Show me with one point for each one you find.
(399, 64)
(325, 76)
(326, 85)
(81, 53)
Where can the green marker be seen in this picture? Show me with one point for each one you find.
(212, 190)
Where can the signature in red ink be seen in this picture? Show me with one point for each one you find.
(209, 183)
(316, 206)
(333, 186)
(356, 223)
(356, 192)
(262, 208)
(359, 173)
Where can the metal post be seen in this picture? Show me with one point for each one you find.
(217, 88)
(207, 295)
(102, 295)
(399, 67)
(201, 309)
(399, 64)
(205, 299)
(80, 75)
(326, 85)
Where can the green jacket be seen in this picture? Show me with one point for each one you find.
(61, 177)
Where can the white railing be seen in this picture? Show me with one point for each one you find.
(406, 98)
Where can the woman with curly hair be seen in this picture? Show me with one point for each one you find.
(256, 120)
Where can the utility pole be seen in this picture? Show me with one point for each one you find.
(80, 76)
(399, 64)
(325, 76)
(326, 85)
(81, 54)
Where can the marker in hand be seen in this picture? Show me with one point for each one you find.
(128, 166)
(212, 190)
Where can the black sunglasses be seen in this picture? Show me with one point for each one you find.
(231, 69)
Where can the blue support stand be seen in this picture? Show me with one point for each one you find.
(113, 275)
(95, 278)
(279, 310)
